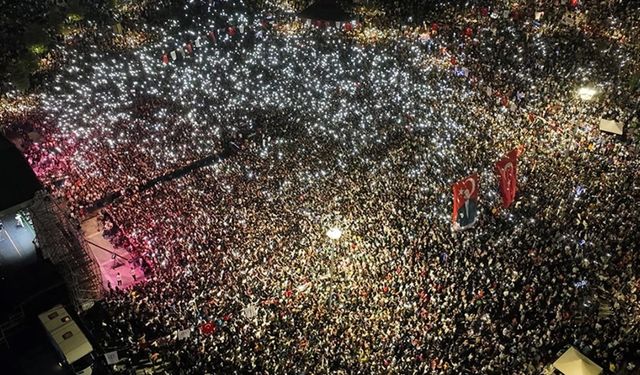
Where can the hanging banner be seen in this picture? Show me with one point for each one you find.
(506, 170)
(465, 202)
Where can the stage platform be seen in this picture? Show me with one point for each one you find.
(16, 243)
(111, 260)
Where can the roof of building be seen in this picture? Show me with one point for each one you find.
(19, 182)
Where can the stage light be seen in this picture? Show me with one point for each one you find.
(334, 233)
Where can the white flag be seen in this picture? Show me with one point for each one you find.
(174, 55)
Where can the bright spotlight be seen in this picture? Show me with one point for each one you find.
(586, 93)
(334, 233)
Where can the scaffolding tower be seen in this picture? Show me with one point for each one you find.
(61, 242)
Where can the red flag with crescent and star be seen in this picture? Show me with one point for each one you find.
(465, 202)
(506, 170)
(208, 328)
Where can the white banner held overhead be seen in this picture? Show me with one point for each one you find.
(250, 312)
(111, 357)
(184, 334)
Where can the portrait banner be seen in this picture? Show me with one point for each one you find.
(465, 202)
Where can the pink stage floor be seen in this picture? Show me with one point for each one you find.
(102, 252)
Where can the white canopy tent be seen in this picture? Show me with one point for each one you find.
(611, 126)
(572, 362)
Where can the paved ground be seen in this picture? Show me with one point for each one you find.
(30, 353)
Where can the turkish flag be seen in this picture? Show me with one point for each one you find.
(231, 31)
(165, 58)
(468, 32)
(465, 201)
(506, 170)
(208, 328)
(189, 48)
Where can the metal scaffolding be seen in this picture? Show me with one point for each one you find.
(61, 242)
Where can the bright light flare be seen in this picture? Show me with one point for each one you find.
(587, 93)
(334, 233)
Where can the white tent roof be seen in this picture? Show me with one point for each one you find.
(611, 126)
(572, 362)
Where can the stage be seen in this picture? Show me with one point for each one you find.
(110, 259)
(16, 243)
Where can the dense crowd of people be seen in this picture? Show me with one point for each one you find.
(365, 134)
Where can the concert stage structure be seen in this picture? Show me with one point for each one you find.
(38, 228)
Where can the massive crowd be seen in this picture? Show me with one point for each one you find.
(368, 137)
